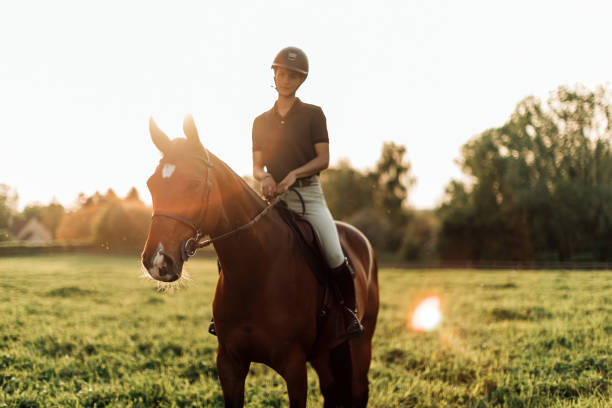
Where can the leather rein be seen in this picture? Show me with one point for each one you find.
(193, 243)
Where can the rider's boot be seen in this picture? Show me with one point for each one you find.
(344, 288)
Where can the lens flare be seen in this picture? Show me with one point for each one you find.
(427, 315)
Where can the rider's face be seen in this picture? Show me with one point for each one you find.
(287, 82)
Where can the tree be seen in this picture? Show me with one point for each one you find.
(374, 201)
(8, 207)
(346, 190)
(94, 200)
(391, 180)
(78, 225)
(122, 227)
(539, 185)
(418, 243)
(110, 195)
(132, 195)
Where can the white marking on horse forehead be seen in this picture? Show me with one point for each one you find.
(167, 170)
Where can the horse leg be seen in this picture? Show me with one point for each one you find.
(294, 372)
(232, 373)
(361, 355)
(322, 366)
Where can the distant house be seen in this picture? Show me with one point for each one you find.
(33, 231)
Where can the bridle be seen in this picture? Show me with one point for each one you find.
(193, 243)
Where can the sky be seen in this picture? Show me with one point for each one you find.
(80, 79)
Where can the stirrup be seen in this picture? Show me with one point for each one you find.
(351, 330)
(211, 328)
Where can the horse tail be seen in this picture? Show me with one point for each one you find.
(342, 371)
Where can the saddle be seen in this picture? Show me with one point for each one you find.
(308, 240)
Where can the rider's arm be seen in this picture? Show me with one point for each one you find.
(258, 166)
(320, 162)
(258, 162)
(268, 184)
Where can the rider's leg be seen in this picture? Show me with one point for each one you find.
(321, 219)
(342, 277)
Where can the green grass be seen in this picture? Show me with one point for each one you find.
(86, 331)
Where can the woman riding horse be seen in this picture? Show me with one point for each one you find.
(268, 307)
(290, 149)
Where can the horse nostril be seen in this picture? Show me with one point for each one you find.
(164, 270)
(146, 262)
(166, 266)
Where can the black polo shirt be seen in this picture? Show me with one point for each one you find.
(288, 143)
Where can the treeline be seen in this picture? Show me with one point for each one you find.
(537, 189)
(375, 202)
(113, 223)
(101, 220)
(540, 186)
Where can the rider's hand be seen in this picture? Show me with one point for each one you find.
(268, 186)
(286, 183)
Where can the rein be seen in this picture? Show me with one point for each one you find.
(240, 228)
(193, 243)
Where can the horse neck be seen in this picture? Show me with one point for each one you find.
(252, 247)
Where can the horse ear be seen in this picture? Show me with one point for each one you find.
(160, 139)
(191, 131)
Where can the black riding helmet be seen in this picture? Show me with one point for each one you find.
(293, 59)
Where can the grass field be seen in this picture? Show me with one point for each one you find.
(86, 331)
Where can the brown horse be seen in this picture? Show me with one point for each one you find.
(267, 302)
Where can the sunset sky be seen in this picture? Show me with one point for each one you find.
(79, 80)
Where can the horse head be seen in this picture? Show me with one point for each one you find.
(184, 203)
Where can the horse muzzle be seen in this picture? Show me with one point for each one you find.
(161, 266)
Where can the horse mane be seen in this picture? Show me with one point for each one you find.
(235, 179)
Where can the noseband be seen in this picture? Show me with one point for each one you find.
(192, 244)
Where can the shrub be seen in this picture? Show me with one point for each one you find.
(377, 228)
(122, 226)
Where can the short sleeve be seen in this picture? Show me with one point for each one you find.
(319, 127)
(257, 137)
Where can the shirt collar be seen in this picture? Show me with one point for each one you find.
(296, 104)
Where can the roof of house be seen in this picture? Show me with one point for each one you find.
(34, 231)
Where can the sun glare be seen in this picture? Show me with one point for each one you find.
(427, 315)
